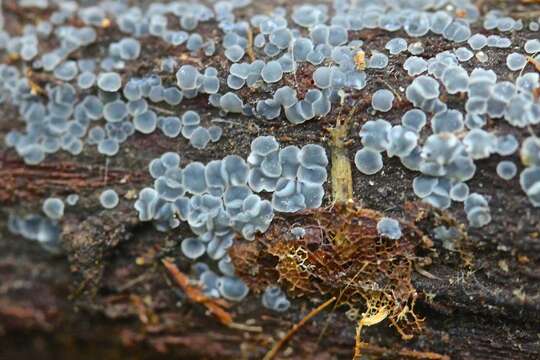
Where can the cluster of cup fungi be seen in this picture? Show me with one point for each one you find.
(96, 101)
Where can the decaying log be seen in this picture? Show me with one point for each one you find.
(110, 293)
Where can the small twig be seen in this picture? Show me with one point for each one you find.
(142, 312)
(194, 293)
(275, 349)
(341, 172)
(244, 327)
(531, 60)
(404, 353)
(162, 110)
(425, 273)
(249, 48)
(526, 14)
(226, 122)
(81, 288)
(531, 131)
(396, 93)
(132, 282)
(424, 355)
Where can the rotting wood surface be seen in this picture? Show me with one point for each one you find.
(109, 296)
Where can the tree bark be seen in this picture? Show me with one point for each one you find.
(108, 294)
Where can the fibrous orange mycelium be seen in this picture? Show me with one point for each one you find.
(342, 255)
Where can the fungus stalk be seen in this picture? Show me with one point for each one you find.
(341, 173)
